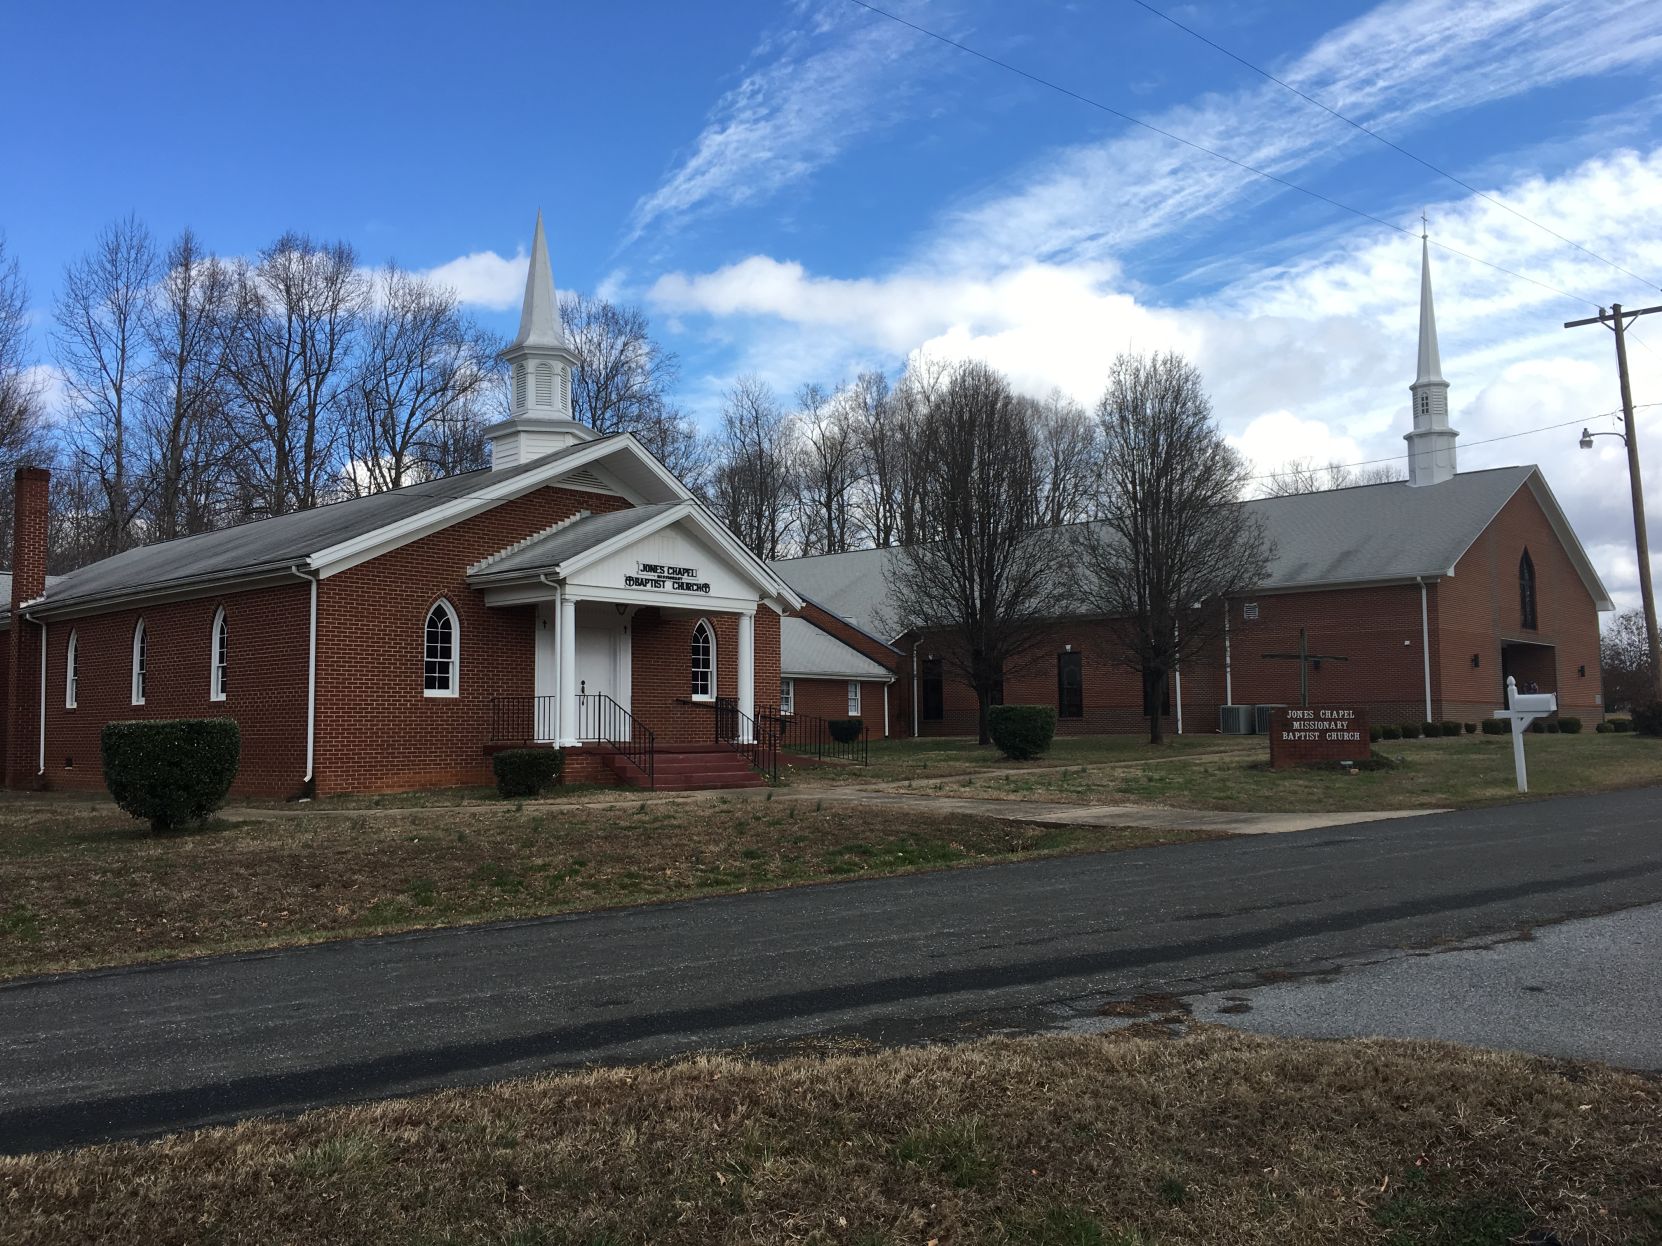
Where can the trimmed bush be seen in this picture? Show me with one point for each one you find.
(171, 772)
(1471, 728)
(1621, 725)
(1390, 733)
(1412, 731)
(1539, 726)
(1570, 726)
(845, 730)
(1552, 726)
(1647, 719)
(1496, 726)
(1375, 734)
(1431, 730)
(1022, 731)
(522, 772)
(1450, 728)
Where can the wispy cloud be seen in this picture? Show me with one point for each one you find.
(811, 91)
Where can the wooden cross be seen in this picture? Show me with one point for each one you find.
(1304, 657)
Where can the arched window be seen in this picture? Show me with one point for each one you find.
(703, 661)
(139, 643)
(545, 385)
(72, 672)
(217, 657)
(439, 645)
(519, 386)
(1526, 591)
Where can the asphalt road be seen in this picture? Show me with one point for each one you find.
(138, 1051)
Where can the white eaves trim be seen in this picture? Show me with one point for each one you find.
(348, 554)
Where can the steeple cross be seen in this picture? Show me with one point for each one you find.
(1304, 657)
(1425, 225)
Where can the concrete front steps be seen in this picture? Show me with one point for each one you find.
(690, 768)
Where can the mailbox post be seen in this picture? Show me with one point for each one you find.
(1524, 708)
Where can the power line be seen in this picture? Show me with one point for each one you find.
(1396, 458)
(1215, 154)
(1396, 147)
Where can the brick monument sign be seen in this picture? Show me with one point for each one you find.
(1319, 733)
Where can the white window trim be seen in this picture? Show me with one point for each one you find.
(72, 671)
(710, 631)
(854, 698)
(455, 651)
(140, 673)
(216, 688)
(787, 695)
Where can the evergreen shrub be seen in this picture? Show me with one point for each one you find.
(522, 772)
(845, 730)
(170, 771)
(1412, 731)
(1022, 731)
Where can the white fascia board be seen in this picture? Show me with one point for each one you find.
(349, 554)
(622, 540)
(179, 590)
(841, 676)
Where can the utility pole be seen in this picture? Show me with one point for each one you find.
(1618, 320)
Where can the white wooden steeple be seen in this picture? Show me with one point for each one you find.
(540, 366)
(1431, 458)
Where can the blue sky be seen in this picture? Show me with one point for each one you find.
(804, 189)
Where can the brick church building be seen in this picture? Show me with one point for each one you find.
(1433, 589)
(576, 594)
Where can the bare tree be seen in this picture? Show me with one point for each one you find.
(1174, 541)
(22, 416)
(421, 376)
(1302, 475)
(623, 375)
(751, 486)
(1624, 661)
(984, 581)
(101, 354)
(1066, 437)
(183, 410)
(828, 469)
(290, 354)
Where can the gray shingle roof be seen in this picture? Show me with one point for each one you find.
(1341, 536)
(269, 544)
(549, 549)
(805, 650)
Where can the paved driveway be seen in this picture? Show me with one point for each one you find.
(136, 1051)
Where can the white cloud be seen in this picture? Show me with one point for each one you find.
(485, 279)
(811, 92)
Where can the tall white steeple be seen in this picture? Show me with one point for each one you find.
(1431, 445)
(540, 366)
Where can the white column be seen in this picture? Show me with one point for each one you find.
(747, 676)
(567, 640)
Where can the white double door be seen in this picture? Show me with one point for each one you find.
(601, 665)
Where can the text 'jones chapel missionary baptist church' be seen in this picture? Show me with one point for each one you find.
(577, 594)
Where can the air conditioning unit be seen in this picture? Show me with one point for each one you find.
(1261, 718)
(1235, 719)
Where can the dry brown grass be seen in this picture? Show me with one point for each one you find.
(1216, 1138)
(83, 885)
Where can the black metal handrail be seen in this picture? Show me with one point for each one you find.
(804, 733)
(601, 720)
(754, 738)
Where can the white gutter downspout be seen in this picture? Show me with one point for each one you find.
(1228, 677)
(886, 711)
(914, 689)
(1425, 644)
(311, 680)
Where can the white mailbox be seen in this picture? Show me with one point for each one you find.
(1524, 708)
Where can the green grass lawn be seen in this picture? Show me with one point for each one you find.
(929, 757)
(1117, 1141)
(1447, 772)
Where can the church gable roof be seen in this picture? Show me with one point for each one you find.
(1361, 535)
(808, 652)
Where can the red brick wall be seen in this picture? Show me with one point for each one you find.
(1478, 611)
(376, 731)
(828, 698)
(661, 674)
(266, 635)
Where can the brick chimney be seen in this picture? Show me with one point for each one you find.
(29, 517)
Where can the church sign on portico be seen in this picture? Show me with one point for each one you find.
(676, 579)
(1301, 736)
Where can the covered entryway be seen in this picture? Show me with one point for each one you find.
(1533, 665)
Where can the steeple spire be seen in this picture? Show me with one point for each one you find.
(539, 317)
(540, 365)
(1431, 457)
